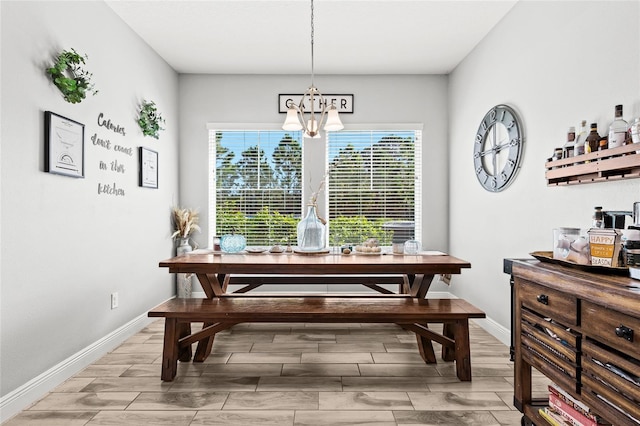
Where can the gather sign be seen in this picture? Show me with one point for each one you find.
(343, 103)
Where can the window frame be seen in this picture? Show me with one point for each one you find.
(314, 148)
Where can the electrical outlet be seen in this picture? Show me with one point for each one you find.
(445, 278)
(114, 300)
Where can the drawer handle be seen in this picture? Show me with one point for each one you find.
(543, 298)
(625, 332)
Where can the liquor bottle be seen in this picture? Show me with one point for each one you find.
(592, 141)
(580, 137)
(604, 143)
(618, 129)
(598, 217)
(569, 146)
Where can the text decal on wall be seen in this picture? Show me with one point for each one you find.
(113, 164)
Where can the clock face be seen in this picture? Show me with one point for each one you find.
(498, 148)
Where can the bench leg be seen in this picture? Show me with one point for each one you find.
(425, 346)
(448, 353)
(204, 346)
(170, 350)
(463, 350)
(183, 330)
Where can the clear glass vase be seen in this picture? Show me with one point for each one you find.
(311, 231)
(183, 246)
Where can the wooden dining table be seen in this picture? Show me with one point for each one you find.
(406, 275)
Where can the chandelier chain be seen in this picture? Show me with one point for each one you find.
(312, 31)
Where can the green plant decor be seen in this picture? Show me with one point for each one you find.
(68, 76)
(150, 119)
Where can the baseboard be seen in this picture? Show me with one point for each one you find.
(432, 294)
(498, 331)
(22, 397)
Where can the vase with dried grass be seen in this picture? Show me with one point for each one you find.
(185, 223)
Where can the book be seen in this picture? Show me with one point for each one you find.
(568, 412)
(552, 418)
(577, 405)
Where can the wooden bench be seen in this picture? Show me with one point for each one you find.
(221, 313)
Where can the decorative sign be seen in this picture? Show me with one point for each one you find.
(343, 103)
(64, 146)
(112, 165)
(148, 168)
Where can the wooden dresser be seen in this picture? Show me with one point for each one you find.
(596, 322)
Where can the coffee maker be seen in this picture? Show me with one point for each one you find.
(636, 216)
(615, 219)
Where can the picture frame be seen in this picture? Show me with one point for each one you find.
(63, 145)
(148, 168)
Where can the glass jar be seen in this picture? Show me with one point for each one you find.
(634, 129)
(412, 247)
(233, 243)
(311, 231)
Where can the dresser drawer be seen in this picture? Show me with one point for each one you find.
(548, 302)
(613, 328)
(605, 369)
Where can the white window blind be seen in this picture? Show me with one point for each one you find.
(256, 187)
(374, 185)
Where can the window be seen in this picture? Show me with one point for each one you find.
(257, 187)
(374, 185)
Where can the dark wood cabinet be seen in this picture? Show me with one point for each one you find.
(582, 331)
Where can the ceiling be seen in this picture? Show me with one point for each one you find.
(274, 36)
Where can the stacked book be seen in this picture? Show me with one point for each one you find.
(565, 410)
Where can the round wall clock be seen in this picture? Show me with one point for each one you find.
(498, 148)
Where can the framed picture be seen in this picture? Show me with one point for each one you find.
(63, 145)
(148, 168)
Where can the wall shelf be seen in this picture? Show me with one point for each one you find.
(611, 164)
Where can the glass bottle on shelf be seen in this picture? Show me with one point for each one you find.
(618, 129)
(603, 144)
(592, 141)
(598, 218)
(580, 137)
(569, 146)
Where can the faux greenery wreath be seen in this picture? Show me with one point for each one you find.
(68, 76)
(150, 119)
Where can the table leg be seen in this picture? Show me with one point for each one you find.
(425, 346)
(211, 285)
(417, 286)
(204, 346)
(213, 288)
(420, 285)
(170, 350)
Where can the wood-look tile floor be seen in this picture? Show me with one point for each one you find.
(288, 374)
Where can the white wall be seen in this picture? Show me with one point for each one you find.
(65, 248)
(557, 63)
(378, 99)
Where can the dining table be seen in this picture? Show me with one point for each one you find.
(389, 275)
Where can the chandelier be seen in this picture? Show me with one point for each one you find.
(312, 100)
